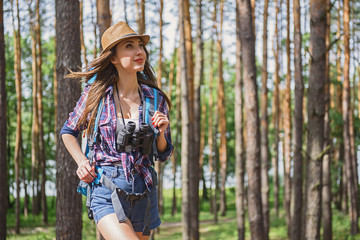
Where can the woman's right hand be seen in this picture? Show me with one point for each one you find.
(85, 171)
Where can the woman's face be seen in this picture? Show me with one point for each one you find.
(130, 55)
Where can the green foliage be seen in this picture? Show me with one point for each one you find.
(48, 55)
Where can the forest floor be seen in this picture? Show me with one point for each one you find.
(171, 228)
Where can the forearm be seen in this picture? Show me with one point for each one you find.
(72, 145)
(161, 142)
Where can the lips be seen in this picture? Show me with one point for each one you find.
(140, 60)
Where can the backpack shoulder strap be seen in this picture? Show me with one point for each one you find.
(151, 105)
(92, 139)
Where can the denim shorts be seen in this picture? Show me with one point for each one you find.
(101, 204)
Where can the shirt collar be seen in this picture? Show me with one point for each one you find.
(147, 91)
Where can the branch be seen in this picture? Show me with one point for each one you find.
(325, 151)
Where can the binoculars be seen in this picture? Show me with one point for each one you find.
(141, 139)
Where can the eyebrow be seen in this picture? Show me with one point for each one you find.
(129, 41)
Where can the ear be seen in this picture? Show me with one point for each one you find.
(114, 60)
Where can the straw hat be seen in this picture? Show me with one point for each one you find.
(117, 32)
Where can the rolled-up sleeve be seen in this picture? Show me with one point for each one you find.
(71, 124)
(163, 156)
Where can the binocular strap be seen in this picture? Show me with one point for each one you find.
(119, 211)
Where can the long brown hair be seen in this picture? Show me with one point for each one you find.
(107, 75)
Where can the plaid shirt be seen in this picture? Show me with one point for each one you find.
(105, 153)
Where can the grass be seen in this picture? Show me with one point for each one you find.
(32, 227)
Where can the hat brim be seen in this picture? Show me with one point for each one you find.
(144, 38)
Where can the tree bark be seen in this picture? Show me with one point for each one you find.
(194, 140)
(199, 137)
(159, 65)
(18, 141)
(326, 168)
(316, 111)
(187, 128)
(287, 125)
(93, 21)
(264, 127)
(103, 16)
(35, 126)
(142, 19)
(343, 182)
(68, 52)
(351, 185)
(211, 135)
(252, 125)
(83, 48)
(297, 190)
(42, 158)
(221, 114)
(125, 12)
(178, 129)
(159, 166)
(3, 130)
(240, 194)
(276, 110)
(140, 16)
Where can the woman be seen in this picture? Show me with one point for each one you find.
(124, 79)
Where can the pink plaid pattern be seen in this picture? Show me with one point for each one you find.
(105, 153)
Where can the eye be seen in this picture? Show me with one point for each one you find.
(141, 45)
(128, 45)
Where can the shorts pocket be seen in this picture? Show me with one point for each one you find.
(110, 171)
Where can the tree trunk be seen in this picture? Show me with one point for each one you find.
(83, 48)
(35, 129)
(3, 130)
(264, 127)
(326, 168)
(93, 21)
(159, 65)
(187, 128)
(26, 195)
(211, 127)
(297, 192)
(276, 111)
(178, 126)
(140, 16)
(344, 187)
(42, 158)
(252, 124)
(221, 115)
(159, 166)
(103, 16)
(351, 185)
(253, 4)
(18, 141)
(316, 111)
(240, 194)
(68, 51)
(199, 136)
(194, 140)
(340, 146)
(287, 126)
(142, 19)
(125, 12)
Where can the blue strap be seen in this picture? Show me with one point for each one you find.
(98, 115)
(155, 99)
(92, 80)
(147, 107)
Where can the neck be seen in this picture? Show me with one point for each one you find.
(127, 84)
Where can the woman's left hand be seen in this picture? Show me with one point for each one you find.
(160, 121)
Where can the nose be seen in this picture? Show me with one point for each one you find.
(140, 50)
